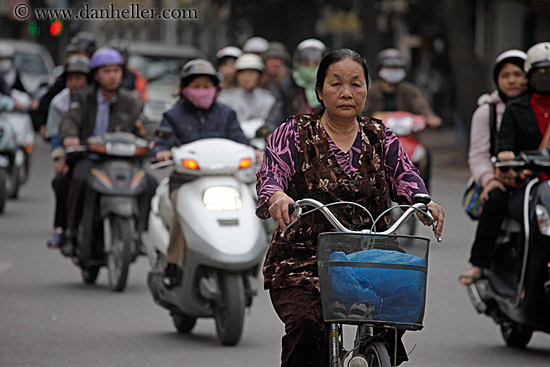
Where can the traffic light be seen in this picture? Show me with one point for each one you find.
(56, 27)
(34, 29)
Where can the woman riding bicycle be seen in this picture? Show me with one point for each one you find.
(331, 155)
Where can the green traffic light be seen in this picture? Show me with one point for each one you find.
(34, 29)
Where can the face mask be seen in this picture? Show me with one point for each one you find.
(199, 97)
(540, 82)
(305, 77)
(5, 66)
(392, 76)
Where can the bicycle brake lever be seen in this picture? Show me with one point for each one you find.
(298, 210)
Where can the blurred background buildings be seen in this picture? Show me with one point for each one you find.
(450, 44)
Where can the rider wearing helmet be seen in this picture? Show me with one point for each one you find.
(525, 122)
(256, 45)
(276, 58)
(511, 82)
(7, 68)
(7, 54)
(226, 58)
(132, 79)
(83, 43)
(392, 93)
(77, 75)
(196, 116)
(94, 110)
(249, 101)
(298, 91)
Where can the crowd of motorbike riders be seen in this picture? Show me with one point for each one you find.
(248, 93)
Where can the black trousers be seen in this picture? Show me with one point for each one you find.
(60, 186)
(499, 205)
(306, 339)
(77, 189)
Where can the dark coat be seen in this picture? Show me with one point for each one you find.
(79, 121)
(187, 125)
(408, 97)
(519, 130)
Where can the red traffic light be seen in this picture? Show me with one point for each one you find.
(56, 27)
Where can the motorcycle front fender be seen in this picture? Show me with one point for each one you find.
(124, 207)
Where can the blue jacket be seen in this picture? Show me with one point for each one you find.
(184, 121)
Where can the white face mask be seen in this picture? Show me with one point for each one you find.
(392, 76)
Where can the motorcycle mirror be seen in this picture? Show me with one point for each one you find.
(262, 132)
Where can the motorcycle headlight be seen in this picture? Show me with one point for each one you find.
(543, 219)
(222, 198)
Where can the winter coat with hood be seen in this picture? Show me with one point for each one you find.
(479, 155)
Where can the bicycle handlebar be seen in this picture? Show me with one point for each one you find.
(418, 207)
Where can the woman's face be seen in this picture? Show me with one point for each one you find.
(75, 81)
(227, 69)
(248, 79)
(201, 82)
(345, 89)
(512, 80)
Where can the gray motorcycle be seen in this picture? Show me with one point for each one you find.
(114, 215)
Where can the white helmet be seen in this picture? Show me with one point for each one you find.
(229, 51)
(538, 56)
(310, 50)
(249, 61)
(6, 51)
(256, 45)
(311, 43)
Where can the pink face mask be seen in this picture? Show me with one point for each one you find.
(199, 97)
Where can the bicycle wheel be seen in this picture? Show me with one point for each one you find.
(376, 355)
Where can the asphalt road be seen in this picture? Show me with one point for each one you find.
(49, 318)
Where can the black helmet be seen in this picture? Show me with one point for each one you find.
(82, 42)
(121, 45)
(77, 64)
(196, 68)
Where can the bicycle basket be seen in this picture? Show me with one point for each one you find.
(374, 279)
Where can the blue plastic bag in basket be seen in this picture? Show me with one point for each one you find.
(397, 294)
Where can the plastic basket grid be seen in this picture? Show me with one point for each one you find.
(373, 279)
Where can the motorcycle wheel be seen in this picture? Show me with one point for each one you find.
(516, 335)
(13, 183)
(89, 275)
(3, 190)
(120, 254)
(376, 355)
(183, 323)
(229, 312)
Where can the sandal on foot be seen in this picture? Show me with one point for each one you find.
(56, 241)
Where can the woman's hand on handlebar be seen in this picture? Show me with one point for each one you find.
(278, 208)
(163, 155)
(438, 215)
